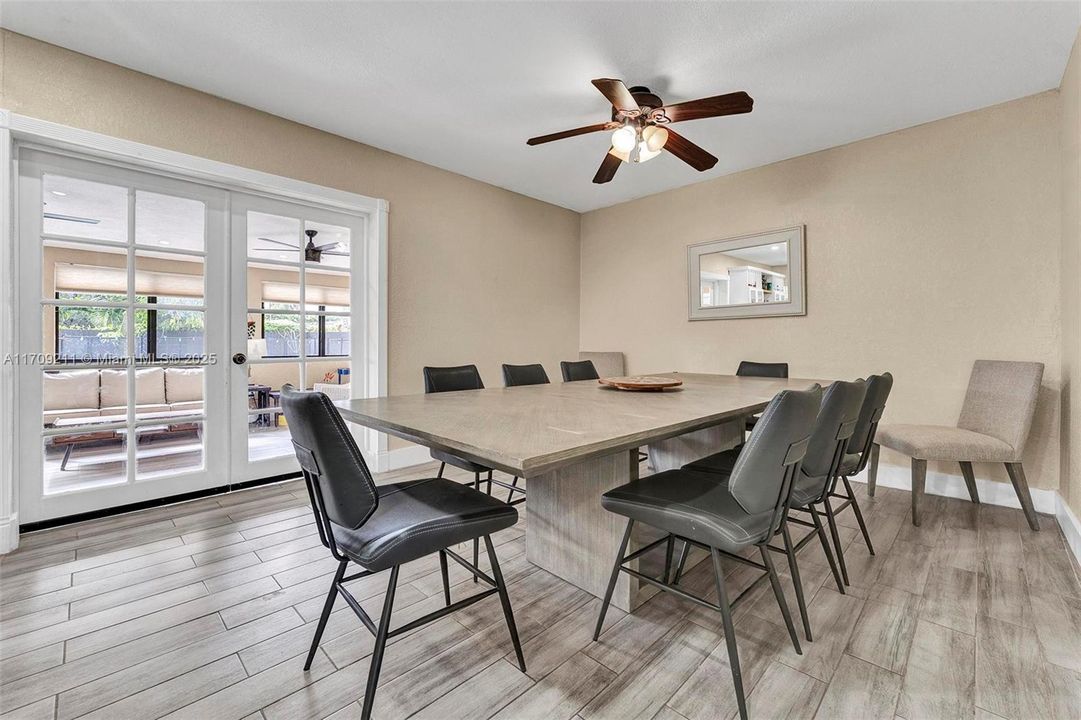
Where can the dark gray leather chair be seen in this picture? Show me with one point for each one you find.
(833, 427)
(861, 447)
(578, 370)
(380, 528)
(453, 379)
(515, 376)
(749, 368)
(722, 513)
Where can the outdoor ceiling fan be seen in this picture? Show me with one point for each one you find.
(640, 124)
(312, 252)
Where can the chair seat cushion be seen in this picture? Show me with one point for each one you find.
(458, 462)
(721, 463)
(939, 442)
(419, 517)
(692, 504)
(849, 464)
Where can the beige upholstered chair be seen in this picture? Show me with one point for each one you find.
(608, 364)
(993, 427)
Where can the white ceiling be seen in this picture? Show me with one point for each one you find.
(461, 85)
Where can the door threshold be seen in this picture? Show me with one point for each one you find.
(157, 502)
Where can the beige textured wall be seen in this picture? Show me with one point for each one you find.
(1070, 92)
(926, 249)
(477, 273)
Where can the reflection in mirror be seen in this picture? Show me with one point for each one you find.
(756, 274)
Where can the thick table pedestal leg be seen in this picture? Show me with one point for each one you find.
(570, 535)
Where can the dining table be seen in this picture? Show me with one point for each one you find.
(574, 441)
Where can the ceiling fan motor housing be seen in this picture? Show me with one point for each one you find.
(645, 99)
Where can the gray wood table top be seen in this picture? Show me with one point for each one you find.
(535, 429)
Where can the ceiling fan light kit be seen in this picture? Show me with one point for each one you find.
(639, 126)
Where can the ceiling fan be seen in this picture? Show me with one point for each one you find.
(312, 252)
(640, 124)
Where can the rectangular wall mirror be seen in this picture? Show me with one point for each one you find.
(759, 275)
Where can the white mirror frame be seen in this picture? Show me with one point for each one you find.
(797, 302)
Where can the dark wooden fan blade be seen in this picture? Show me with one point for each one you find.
(607, 170)
(730, 104)
(688, 152)
(279, 242)
(568, 133)
(617, 94)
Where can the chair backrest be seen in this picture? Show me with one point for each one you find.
(762, 476)
(578, 370)
(607, 364)
(874, 404)
(1001, 400)
(340, 485)
(514, 375)
(833, 428)
(747, 368)
(449, 379)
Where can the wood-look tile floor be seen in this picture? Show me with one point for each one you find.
(205, 610)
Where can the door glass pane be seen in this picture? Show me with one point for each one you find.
(268, 435)
(84, 209)
(330, 376)
(169, 334)
(273, 237)
(326, 290)
(168, 221)
(172, 279)
(85, 456)
(277, 335)
(168, 447)
(329, 244)
(72, 268)
(84, 334)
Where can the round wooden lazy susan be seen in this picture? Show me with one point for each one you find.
(641, 382)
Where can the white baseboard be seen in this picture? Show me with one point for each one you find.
(9, 533)
(1071, 527)
(401, 458)
(938, 483)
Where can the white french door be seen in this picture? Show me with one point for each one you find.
(292, 320)
(122, 277)
(158, 319)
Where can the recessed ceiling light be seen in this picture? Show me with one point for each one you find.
(58, 193)
(163, 242)
(282, 257)
(775, 247)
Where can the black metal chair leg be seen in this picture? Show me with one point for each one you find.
(821, 532)
(612, 580)
(513, 484)
(489, 482)
(778, 592)
(669, 549)
(832, 520)
(327, 607)
(442, 465)
(859, 515)
(504, 598)
(682, 562)
(476, 541)
(446, 576)
(380, 646)
(793, 567)
(729, 634)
